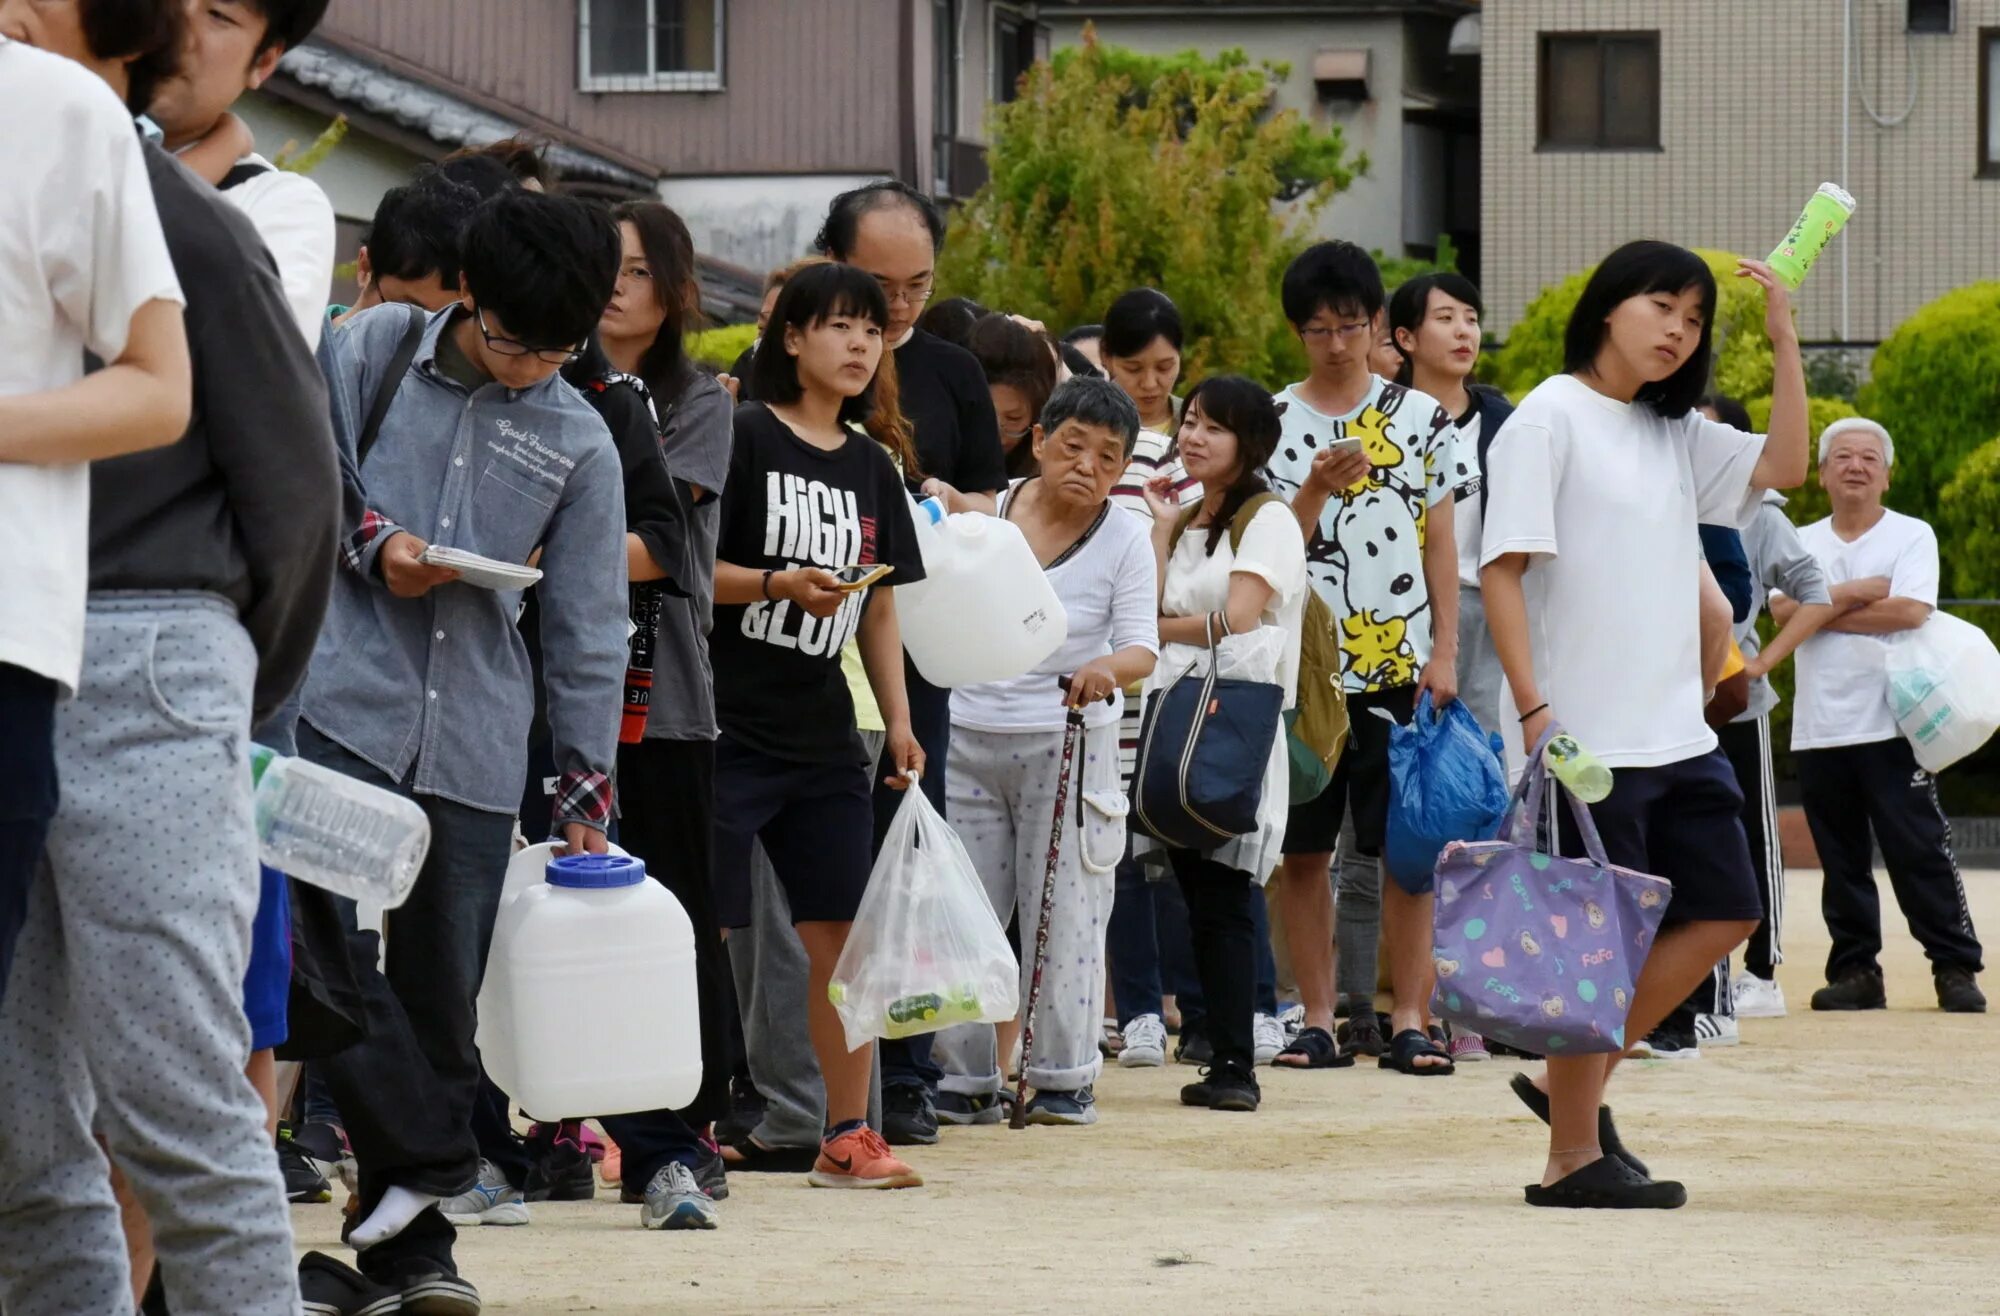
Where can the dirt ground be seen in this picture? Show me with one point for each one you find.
(1834, 1164)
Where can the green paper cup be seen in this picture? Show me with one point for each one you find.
(1825, 214)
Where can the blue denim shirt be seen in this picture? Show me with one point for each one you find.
(440, 685)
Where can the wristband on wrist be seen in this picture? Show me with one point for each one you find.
(1538, 708)
(767, 583)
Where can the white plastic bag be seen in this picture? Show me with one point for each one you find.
(926, 951)
(1944, 688)
(1252, 656)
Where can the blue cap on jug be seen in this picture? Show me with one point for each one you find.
(595, 871)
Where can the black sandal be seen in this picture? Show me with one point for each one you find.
(1407, 1047)
(759, 1159)
(1607, 1133)
(1361, 1035)
(1608, 1183)
(1319, 1050)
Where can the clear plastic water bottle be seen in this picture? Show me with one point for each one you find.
(335, 832)
(1577, 768)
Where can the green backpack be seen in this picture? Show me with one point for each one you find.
(1316, 727)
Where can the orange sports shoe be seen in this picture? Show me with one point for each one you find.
(861, 1159)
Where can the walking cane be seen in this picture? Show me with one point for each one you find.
(1072, 724)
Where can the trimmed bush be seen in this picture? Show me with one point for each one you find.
(1534, 348)
(721, 346)
(1968, 525)
(1935, 384)
(1807, 503)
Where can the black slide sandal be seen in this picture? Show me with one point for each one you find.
(1608, 1184)
(1316, 1045)
(759, 1159)
(1409, 1046)
(1608, 1141)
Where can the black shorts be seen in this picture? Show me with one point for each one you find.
(817, 823)
(1361, 778)
(1684, 822)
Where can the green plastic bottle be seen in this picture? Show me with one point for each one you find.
(1825, 214)
(1577, 768)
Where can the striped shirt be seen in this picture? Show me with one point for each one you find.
(1155, 455)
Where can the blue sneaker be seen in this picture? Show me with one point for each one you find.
(969, 1108)
(675, 1201)
(490, 1201)
(1078, 1107)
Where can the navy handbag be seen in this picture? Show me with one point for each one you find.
(1204, 745)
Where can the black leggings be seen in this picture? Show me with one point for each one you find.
(1223, 930)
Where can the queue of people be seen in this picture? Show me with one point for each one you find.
(222, 494)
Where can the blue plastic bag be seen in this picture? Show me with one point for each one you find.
(1445, 785)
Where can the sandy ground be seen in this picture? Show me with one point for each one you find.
(1834, 1164)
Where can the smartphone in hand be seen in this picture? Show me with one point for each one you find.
(858, 577)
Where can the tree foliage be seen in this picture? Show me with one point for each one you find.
(1935, 385)
(293, 160)
(1114, 170)
(1534, 349)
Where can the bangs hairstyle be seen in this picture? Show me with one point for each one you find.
(1136, 319)
(1247, 410)
(1635, 270)
(1096, 402)
(416, 227)
(288, 22)
(1337, 277)
(150, 34)
(544, 265)
(810, 298)
(1410, 305)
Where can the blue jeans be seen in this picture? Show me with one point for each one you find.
(1150, 947)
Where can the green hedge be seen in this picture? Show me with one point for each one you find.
(722, 346)
(1534, 349)
(1935, 384)
(1807, 503)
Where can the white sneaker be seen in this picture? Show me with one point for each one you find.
(490, 1201)
(1145, 1043)
(1269, 1036)
(1716, 1030)
(1293, 1020)
(1758, 998)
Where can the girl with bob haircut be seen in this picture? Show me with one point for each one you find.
(810, 494)
(1590, 574)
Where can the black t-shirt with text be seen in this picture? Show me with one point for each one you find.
(945, 396)
(778, 683)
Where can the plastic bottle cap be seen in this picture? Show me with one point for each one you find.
(934, 509)
(595, 871)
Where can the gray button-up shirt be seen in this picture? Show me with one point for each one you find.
(1778, 560)
(440, 685)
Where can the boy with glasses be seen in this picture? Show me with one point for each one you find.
(420, 683)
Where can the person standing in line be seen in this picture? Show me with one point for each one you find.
(83, 266)
(1435, 322)
(808, 493)
(1008, 737)
(1140, 347)
(1021, 375)
(1596, 486)
(1213, 581)
(894, 232)
(1858, 777)
(1369, 468)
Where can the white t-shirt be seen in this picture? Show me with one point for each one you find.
(295, 219)
(1198, 583)
(1107, 587)
(1843, 682)
(80, 252)
(1367, 554)
(1466, 519)
(1604, 497)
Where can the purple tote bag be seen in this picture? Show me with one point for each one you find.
(1539, 951)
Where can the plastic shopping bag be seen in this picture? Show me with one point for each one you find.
(926, 950)
(1445, 785)
(1944, 688)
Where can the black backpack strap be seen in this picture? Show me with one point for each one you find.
(392, 379)
(241, 174)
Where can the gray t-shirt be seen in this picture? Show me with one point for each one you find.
(695, 434)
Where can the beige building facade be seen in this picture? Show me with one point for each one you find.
(1709, 123)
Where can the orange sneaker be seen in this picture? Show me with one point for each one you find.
(861, 1159)
(611, 1170)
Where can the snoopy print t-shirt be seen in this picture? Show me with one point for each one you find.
(788, 504)
(1366, 557)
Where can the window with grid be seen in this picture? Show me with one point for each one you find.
(1598, 91)
(1989, 102)
(649, 45)
(1017, 43)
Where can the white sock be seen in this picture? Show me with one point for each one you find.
(391, 1216)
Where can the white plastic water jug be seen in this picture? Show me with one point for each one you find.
(985, 610)
(589, 1004)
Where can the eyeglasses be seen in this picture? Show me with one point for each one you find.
(914, 293)
(555, 356)
(1319, 334)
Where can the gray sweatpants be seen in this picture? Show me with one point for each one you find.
(125, 1015)
(772, 977)
(1002, 805)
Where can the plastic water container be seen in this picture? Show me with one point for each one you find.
(985, 610)
(589, 1003)
(336, 832)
